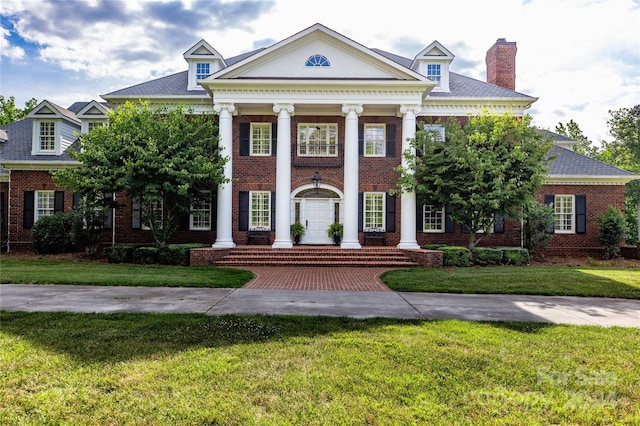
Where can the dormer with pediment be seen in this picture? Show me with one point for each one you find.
(54, 129)
(203, 61)
(433, 62)
(92, 115)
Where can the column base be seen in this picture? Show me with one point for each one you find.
(282, 244)
(408, 245)
(350, 245)
(224, 244)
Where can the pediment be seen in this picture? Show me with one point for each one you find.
(317, 53)
(435, 51)
(49, 110)
(202, 50)
(93, 109)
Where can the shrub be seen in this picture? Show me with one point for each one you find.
(434, 246)
(177, 254)
(120, 253)
(484, 256)
(538, 223)
(145, 255)
(612, 227)
(514, 255)
(52, 234)
(456, 256)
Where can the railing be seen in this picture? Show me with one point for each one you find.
(318, 155)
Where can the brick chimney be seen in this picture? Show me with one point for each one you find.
(501, 64)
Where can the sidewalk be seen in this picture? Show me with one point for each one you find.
(356, 304)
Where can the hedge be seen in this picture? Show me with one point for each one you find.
(456, 256)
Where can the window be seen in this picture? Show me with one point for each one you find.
(374, 210)
(317, 61)
(564, 211)
(47, 136)
(260, 138)
(374, 140)
(433, 73)
(202, 71)
(433, 219)
(436, 130)
(155, 213)
(200, 217)
(45, 201)
(93, 124)
(318, 140)
(260, 210)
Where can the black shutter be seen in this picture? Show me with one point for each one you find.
(581, 214)
(28, 212)
(2, 221)
(58, 202)
(498, 224)
(360, 207)
(391, 140)
(361, 140)
(214, 211)
(183, 221)
(243, 211)
(76, 200)
(419, 217)
(135, 213)
(449, 224)
(245, 139)
(108, 219)
(549, 200)
(274, 138)
(390, 207)
(273, 211)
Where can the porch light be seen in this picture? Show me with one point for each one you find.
(316, 181)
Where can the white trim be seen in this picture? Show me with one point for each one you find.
(208, 211)
(268, 195)
(267, 125)
(383, 126)
(384, 209)
(572, 229)
(36, 207)
(433, 211)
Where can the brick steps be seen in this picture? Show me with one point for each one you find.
(316, 256)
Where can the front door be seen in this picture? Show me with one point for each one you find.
(316, 215)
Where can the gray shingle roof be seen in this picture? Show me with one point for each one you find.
(569, 163)
(18, 148)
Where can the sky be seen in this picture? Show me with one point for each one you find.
(580, 58)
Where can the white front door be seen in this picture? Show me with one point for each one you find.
(316, 215)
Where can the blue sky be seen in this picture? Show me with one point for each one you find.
(581, 58)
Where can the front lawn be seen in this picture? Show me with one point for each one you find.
(45, 271)
(95, 369)
(548, 281)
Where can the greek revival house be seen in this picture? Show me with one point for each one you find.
(314, 126)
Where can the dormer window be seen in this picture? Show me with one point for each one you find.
(47, 136)
(202, 71)
(433, 73)
(317, 61)
(93, 124)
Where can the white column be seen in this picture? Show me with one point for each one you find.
(351, 164)
(224, 234)
(408, 199)
(283, 177)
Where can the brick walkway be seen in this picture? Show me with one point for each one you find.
(317, 278)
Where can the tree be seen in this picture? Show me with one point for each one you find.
(612, 229)
(489, 168)
(162, 158)
(10, 113)
(573, 131)
(538, 219)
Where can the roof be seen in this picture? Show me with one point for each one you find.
(18, 147)
(568, 163)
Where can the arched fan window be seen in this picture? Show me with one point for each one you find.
(317, 61)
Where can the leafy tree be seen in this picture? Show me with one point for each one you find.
(573, 131)
(162, 157)
(538, 219)
(491, 167)
(10, 113)
(612, 229)
(88, 224)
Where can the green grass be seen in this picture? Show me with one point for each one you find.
(548, 281)
(94, 369)
(45, 271)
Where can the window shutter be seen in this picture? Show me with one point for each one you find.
(28, 212)
(581, 214)
(108, 220)
(390, 212)
(273, 211)
(360, 207)
(245, 139)
(76, 200)
(214, 211)
(498, 225)
(274, 138)
(183, 221)
(58, 202)
(449, 224)
(419, 217)
(243, 211)
(549, 199)
(2, 210)
(361, 140)
(391, 140)
(135, 213)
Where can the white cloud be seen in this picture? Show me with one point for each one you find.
(7, 50)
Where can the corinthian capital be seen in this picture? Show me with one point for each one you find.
(227, 107)
(283, 107)
(347, 108)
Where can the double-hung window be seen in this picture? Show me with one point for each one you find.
(436, 131)
(434, 73)
(564, 213)
(374, 210)
(155, 213)
(260, 138)
(374, 140)
(260, 208)
(47, 136)
(200, 217)
(202, 71)
(44, 204)
(318, 140)
(433, 218)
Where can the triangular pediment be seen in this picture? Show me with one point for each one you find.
(317, 53)
(435, 51)
(93, 109)
(202, 50)
(49, 110)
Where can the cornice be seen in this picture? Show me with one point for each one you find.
(589, 180)
(39, 165)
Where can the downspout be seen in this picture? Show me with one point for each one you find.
(113, 222)
(9, 214)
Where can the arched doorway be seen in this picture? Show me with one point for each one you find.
(316, 210)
